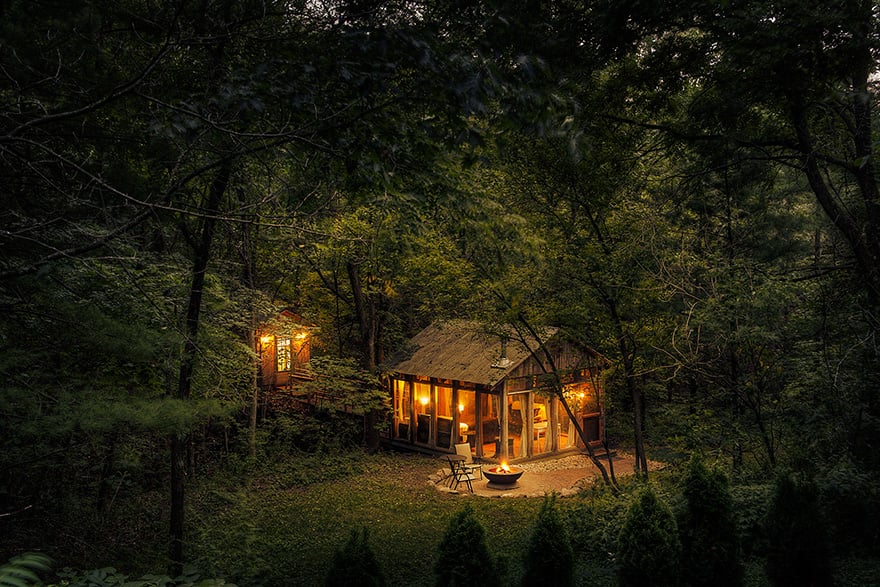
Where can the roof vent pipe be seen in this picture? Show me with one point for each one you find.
(503, 362)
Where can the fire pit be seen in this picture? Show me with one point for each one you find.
(503, 476)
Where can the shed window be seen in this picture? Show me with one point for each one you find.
(282, 354)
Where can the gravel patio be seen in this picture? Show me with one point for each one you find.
(565, 475)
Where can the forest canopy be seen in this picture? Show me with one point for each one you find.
(689, 190)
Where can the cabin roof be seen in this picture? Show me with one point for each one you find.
(463, 351)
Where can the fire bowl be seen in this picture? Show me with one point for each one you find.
(501, 479)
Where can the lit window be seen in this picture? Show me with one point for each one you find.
(282, 354)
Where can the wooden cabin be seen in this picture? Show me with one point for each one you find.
(284, 350)
(458, 383)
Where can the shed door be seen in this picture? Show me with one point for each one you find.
(517, 424)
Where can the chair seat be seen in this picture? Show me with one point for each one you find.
(461, 472)
(464, 449)
(473, 469)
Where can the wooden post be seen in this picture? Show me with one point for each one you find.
(502, 423)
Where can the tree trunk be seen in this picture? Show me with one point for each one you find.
(638, 400)
(627, 358)
(737, 410)
(255, 392)
(366, 315)
(365, 320)
(180, 441)
(249, 279)
(862, 237)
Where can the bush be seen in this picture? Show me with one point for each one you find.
(750, 506)
(110, 577)
(594, 519)
(797, 550)
(851, 500)
(706, 528)
(549, 558)
(464, 558)
(649, 549)
(355, 564)
(21, 571)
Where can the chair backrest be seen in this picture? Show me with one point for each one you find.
(464, 449)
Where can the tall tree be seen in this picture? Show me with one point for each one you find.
(789, 84)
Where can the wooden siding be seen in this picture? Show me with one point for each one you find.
(568, 359)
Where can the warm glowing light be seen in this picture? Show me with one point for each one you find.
(424, 400)
(460, 407)
(265, 339)
(301, 335)
(505, 467)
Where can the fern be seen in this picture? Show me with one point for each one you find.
(21, 571)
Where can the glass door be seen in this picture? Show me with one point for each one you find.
(467, 418)
(402, 409)
(517, 404)
(565, 430)
(443, 408)
(490, 425)
(540, 424)
(422, 395)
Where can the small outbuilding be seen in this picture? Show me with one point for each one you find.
(458, 382)
(284, 350)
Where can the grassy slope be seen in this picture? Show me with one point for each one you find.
(275, 532)
(280, 523)
(283, 524)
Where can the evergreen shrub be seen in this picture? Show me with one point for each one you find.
(797, 549)
(707, 530)
(750, 506)
(549, 557)
(464, 557)
(648, 548)
(355, 565)
(851, 500)
(594, 519)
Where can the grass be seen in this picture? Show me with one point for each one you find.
(283, 524)
(280, 522)
(265, 532)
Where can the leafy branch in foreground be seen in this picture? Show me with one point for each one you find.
(22, 570)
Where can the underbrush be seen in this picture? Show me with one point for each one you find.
(280, 521)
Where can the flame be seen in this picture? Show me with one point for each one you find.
(504, 467)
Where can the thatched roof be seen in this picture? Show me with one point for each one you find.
(462, 351)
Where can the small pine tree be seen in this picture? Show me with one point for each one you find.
(707, 530)
(355, 564)
(648, 547)
(797, 552)
(549, 558)
(464, 558)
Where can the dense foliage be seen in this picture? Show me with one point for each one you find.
(549, 558)
(648, 547)
(707, 529)
(463, 558)
(690, 190)
(798, 550)
(355, 563)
